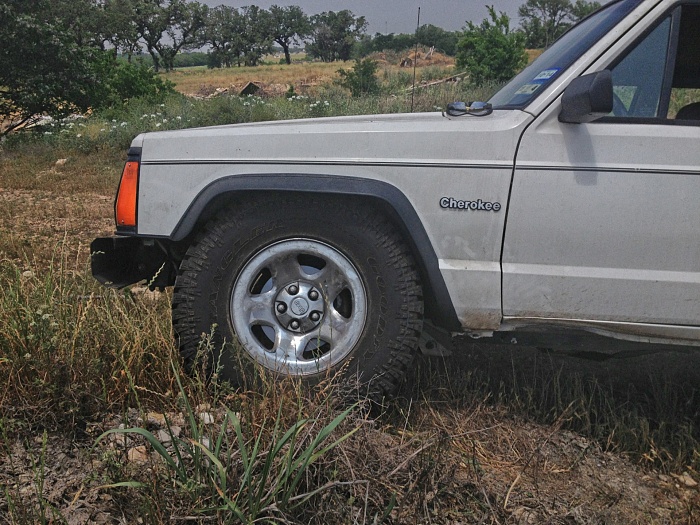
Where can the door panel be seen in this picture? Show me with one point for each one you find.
(604, 223)
(604, 217)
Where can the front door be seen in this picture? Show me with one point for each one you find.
(604, 218)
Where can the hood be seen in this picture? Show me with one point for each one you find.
(395, 138)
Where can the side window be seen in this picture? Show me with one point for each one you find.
(684, 103)
(660, 77)
(638, 79)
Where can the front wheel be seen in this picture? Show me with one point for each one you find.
(306, 286)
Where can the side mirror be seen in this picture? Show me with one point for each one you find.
(587, 98)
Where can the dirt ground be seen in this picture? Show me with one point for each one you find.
(527, 473)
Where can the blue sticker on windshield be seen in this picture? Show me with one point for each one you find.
(545, 75)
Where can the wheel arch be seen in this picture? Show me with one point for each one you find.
(392, 201)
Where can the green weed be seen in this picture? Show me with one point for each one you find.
(233, 470)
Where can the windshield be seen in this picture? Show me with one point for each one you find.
(532, 80)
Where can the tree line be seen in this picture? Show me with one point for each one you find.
(59, 56)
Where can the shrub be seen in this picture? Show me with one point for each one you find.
(362, 79)
(123, 81)
(490, 51)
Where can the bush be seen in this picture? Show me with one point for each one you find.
(362, 79)
(122, 81)
(490, 51)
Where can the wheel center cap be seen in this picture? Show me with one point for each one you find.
(299, 306)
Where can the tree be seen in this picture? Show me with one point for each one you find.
(543, 21)
(241, 36)
(289, 25)
(491, 51)
(366, 44)
(180, 21)
(119, 28)
(582, 9)
(48, 66)
(185, 31)
(257, 34)
(224, 33)
(151, 21)
(433, 36)
(42, 67)
(334, 34)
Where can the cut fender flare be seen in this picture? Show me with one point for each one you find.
(437, 299)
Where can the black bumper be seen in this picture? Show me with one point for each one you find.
(120, 261)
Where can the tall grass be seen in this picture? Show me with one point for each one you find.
(70, 348)
(73, 353)
(646, 407)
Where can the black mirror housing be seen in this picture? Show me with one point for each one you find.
(587, 98)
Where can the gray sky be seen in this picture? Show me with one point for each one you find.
(397, 16)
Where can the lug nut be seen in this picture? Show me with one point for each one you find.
(294, 325)
(315, 316)
(293, 289)
(281, 307)
(313, 295)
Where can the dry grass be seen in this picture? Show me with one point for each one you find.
(203, 81)
(502, 435)
(276, 79)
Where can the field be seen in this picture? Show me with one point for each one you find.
(307, 77)
(98, 424)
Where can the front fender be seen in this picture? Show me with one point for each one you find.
(393, 202)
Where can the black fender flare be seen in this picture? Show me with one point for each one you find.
(438, 304)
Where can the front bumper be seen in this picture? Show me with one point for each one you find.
(119, 261)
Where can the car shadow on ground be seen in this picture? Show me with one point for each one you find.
(632, 397)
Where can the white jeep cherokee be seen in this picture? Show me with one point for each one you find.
(571, 199)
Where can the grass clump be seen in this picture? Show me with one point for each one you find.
(238, 470)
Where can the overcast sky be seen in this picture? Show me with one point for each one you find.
(397, 16)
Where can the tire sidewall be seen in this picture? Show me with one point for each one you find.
(355, 232)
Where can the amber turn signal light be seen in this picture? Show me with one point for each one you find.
(125, 205)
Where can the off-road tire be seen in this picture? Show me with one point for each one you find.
(345, 230)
